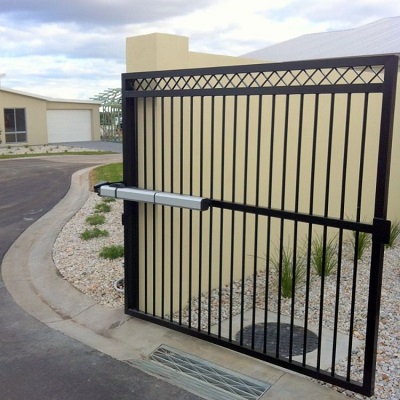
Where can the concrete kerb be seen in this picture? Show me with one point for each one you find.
(32, 279)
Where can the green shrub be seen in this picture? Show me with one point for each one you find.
(324, 262)
(360, 241)
(112, 252)
(96, 219)
(394, 233)
(289, 266)
(108, 200)
(93, 233)
(102, 208)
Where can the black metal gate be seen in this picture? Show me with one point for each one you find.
(286, 263)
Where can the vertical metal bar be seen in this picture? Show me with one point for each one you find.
(153, 116)
(131, 212)
(201, 214)
(181, 166)
(190, 211)
(258, 167)
(246, 157)
(171, 221)
(345, 153)
(325, 231)
(329, 155)
(221, 235)
(163, 169)
(296, 209)
(343, 198)
(282, 224)
(381, 196)
(268, 249)
(321, 297)
(232, 266)
(362, 156)
(210, 261)
(311, 211)
(337, 302)
(145, 206)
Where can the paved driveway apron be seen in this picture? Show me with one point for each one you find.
(37, 362)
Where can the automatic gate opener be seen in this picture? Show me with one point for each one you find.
(119, 191)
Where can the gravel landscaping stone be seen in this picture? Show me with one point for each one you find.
(41, 149)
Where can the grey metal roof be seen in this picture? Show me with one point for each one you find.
(377, 38)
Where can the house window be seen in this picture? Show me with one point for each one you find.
(15, 125)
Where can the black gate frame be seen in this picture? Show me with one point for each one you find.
(188, 83)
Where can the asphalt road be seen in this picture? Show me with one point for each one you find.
(37, 362)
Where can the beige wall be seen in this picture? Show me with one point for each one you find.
(394, 187)
(163, 52)
(157, 52)
(35, 114)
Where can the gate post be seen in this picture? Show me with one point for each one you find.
(130, 217)
(381, 202)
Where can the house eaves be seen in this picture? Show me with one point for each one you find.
(48, 99)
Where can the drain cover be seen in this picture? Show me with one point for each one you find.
(271, 332)
(201, 377)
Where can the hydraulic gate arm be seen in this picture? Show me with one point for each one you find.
(118, 190)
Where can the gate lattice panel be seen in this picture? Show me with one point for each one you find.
(294, 159)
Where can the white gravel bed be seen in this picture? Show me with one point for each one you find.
(79, 263)
(38, 149)
(78, 260)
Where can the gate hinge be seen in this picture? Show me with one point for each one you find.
(381, 230)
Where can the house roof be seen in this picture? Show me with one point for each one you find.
(377, 38)
(49, 99)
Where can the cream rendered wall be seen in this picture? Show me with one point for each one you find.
(157, 52)
(164, 52)
(35, 115)
(394, 186)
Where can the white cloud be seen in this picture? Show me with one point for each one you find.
(97, 12)
(78, 47)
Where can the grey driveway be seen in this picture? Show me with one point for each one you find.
(37, 362)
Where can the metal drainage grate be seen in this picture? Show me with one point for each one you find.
(269, 336)
(201, 377)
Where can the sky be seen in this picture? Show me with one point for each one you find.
(75, 49)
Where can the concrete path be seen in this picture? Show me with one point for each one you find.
(103, 336)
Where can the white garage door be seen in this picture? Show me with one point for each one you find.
(69, 125)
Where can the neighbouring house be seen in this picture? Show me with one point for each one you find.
(31, 119)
